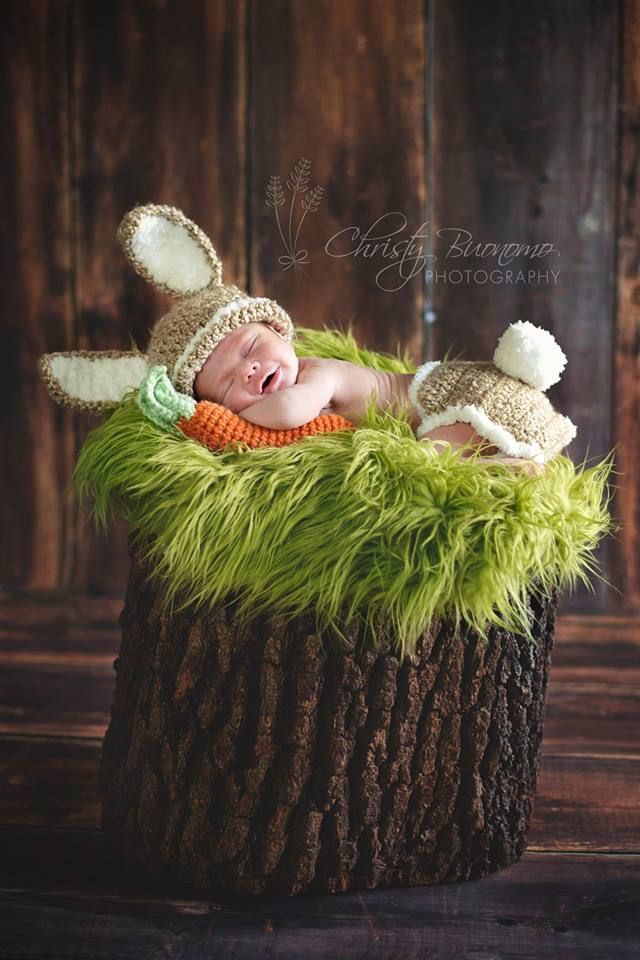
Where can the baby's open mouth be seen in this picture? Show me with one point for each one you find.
(271, 380)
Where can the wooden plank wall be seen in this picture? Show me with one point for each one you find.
(345, 90)
(524, 151)
(105, 106)
(626, 371)
(516, 125)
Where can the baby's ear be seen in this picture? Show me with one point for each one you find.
(169, 250)
(94, 380)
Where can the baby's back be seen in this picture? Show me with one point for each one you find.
(354, 385)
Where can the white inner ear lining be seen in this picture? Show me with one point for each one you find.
(172, 256)
(98, 378)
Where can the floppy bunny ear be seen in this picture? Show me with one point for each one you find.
(92, 380)
(169, 250)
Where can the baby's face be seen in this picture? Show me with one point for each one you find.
(251, 362)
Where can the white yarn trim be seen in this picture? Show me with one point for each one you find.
(421, 375)
(483, 425)
(204, 331)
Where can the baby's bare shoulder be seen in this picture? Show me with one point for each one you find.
(312, 369)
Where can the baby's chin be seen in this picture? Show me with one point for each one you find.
(251, 400)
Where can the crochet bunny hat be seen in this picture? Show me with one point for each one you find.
(174, 255)
(504, 400)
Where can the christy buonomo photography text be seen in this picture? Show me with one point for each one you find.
(410, 253)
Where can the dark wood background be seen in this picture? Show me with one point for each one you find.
(514, 123)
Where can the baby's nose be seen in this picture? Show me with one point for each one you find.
(251, 369)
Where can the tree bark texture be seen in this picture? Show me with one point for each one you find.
(262, 758)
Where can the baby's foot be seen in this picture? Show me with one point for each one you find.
(460, 437)
(518, 464)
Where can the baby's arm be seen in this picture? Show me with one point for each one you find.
(295, 405)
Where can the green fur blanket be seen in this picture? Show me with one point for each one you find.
(362, 523)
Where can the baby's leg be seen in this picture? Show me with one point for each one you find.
(519, 464)
(462, 435)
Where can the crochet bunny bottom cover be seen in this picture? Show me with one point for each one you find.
(514, 416)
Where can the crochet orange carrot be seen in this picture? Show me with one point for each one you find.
(216, 426)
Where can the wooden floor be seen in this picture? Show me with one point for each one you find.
(574, 894)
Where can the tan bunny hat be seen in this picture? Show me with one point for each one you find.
(174, 255)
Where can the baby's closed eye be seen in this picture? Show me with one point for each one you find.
(244, 354)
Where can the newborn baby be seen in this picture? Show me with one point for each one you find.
(218, 343)
(254, 371)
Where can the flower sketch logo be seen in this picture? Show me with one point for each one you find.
(298, 186)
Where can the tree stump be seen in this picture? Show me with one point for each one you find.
(265, 759)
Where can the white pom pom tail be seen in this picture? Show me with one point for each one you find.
(531, 354)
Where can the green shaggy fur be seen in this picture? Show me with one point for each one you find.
(352, 525)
